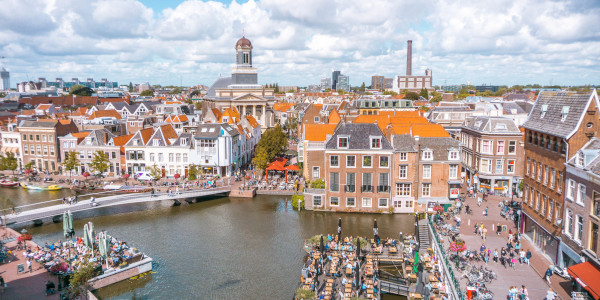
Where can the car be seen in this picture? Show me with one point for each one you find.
(144, 176)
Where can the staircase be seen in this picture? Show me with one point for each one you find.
(424, 237)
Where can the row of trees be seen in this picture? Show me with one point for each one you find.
(8, 161)
(272, 144)
(99, 164)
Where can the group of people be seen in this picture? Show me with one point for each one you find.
(70, 200)
(515, 293)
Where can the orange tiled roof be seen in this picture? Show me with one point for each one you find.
(282, 107)
(252, 121)
(43, 106)
(422, 130)
(177, 119)
(105, 114)
(122, 140)
(318, 132)
(217, 113)
(168, 132)
(65, 122)
(80, 135)
(146, 134)
(28, 112)
(231, 113)
(334, 117)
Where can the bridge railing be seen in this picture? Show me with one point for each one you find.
(393, 288)
(22, 207)
(438, 247)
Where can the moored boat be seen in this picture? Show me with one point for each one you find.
(42, 188)
(9, 183)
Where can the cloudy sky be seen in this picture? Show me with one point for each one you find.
(298, 42)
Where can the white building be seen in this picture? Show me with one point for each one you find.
(217, 149)
(11, 142)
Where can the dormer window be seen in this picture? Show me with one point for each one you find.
(343, 142)
(427, 155)
(155, 142)
(135, 142)
(564, 114)
(544, 110)
(376, 143)
(453, 155)
(580, 159)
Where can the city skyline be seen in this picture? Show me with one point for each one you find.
(191, 42)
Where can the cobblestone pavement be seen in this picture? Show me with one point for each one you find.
(522, 274)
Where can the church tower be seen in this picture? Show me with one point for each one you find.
(243, 74)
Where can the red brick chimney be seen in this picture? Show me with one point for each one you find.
(409, 58)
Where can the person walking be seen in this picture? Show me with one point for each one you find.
(485, 212)
(498, 229)
(29, 267)
(478, 201)
(496, 255)
(484, 233)
(550, 295)
(523, 294)
(521, 256)
(528, 256)
(547, 276)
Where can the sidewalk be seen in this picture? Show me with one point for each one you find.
(531, 276)
(24, 285)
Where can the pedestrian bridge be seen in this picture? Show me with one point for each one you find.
(29, 213)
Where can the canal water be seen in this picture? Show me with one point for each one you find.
(219, 248)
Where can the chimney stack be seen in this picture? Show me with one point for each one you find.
(409, 58)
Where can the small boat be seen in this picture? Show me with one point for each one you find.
(42, 188)
(8, 183)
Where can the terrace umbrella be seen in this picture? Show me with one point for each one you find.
(339, 229)
(66, 229)
(375, 232)
(86, 232)
(322, 245)
(357, 247)
(71, 227)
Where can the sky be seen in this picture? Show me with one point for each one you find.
(169, 42)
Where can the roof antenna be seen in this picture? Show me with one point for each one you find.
(243, 33)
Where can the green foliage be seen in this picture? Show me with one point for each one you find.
(315, 240)
(197, 105)
(291, 125)
(6, 205)
(363, 243)
(80, 90)
(437, 97)
(147, 93)
(390, 93)
(261, 158)
(296, 199)
(176, 91)
(424, 93)
(362, 87)
(273, 141)
(302, 294)
(8, 161)
(276, 88)
(71, 161)
(100, 162)
(79, 279)
(424, 108)
(2, 94)
(411, 96)
(193, 172)
(520, 187)
(317, 184)
(155, 172)
(130, 88)
(327, 90)
(195, 93)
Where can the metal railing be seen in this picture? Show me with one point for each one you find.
(447, 268)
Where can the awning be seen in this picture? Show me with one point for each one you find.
(587, 276)
(10, 149)
(277, 165)
(292, 168)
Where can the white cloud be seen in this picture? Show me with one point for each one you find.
(297, 42)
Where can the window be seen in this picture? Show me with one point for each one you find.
(533, 169)
(546, 175)
(43, 137)
(26, 149)
(367, 161)
(540, 171)
(317, 201)
(569, 222)
(500, 147)
(580, 159)
(51, 150)
(426, 190)
(334, 161)
(37, 137)
(453, 172)
(552, 178)
(246, 58)
(334, 183)
(376, 143)
(579, 229)
(342, 142)
(580, 194)
(316, 119)
(185, 157)
(151, 157)
(366, 202)
(499, 166)
(426, 171)
(510, 169)
(537, 201)
(350, 182)
(24, 137)
(544, 205)
(571, 189)
(550, 209)
(316, 173)
(31, 137)
(350, 161)
(512, 147)
(155, 142)
(402, 189)
(402, 174)
(334, 201)
(486, 165)
(160, 157)
(559, 185)
(350, 201)
(403, 156)
(384, 161)
(486, 146)
(384, 183)
(170, 157)
(367, 183)
(427, 155)
(528, 167)
(383, 202)
(453, 155)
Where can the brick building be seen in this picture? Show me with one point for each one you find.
(39, 140)
(559, 124)
(492, 153)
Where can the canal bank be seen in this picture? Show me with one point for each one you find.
(223, 248)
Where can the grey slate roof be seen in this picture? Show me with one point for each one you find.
(512, 108)
(491, 125)
(214, 130)
(439, 145)
(178, 143)
(551, 122)
(591, 150)
(404, 143)
(358, 134)
(525, 105)
(38, 124)
(220, 83)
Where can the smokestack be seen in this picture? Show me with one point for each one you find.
(409, 58)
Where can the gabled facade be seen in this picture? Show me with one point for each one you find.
(86, 143)
(217, 149)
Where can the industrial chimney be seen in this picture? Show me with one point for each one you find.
(409, 58)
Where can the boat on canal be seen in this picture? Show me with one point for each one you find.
(41, 188)
(9, 183)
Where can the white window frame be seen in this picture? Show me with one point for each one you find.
(427, 155)
(373, 138)
(363, 161)
(581, 188)
(453, 155)
(515, 150)
(403, 169)
(403, 156)
(318, 172)
(387, 202)
(353, 205)
(347, 142)
(331, 202)
(571, 184)
(489, 144)
(569, 222)
(367, 202)
(349, 166)
(320, 199)
(499, 163)
(338, 161)
(499, 145)
(453, 174)
(401, 189)
(428, 185)
(388, 162)
(427, 175)
(576, 234)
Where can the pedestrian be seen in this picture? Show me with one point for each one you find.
(510, 236)
(76, 199)
(550, 295)
(478, 201)
(496, 256)
(521, 256)
(476, 226)
(528, 256)
(498, 229)
(523, 294)
(547, 276)
(485, 212)
(484, 233)
(29, 265)
(2, 283)
(457, 221)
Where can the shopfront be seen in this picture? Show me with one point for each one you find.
(585, 279)
(543, 240)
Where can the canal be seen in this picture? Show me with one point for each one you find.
(216, 249)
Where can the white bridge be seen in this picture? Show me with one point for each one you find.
(27, 214)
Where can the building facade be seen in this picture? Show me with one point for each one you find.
(39, 140)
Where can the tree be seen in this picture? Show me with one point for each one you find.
(362, 87)
(261, 159)
(424, 93)
(71, 162)
(273, 141)
(176, 90)
(7, 206)
(80, 279)
(193, 172)
(8, 161)
(195, 93)
(291, 125)
(155, 172)
(198, 105)
(147, 93)
(130, 87)
(277, 88)
(100, 162)
(317, 184)
(80, 90)
(2, 94)
(411, 96)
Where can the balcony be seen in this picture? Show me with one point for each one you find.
(383, 188)
(350, 188)
(366, 188)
